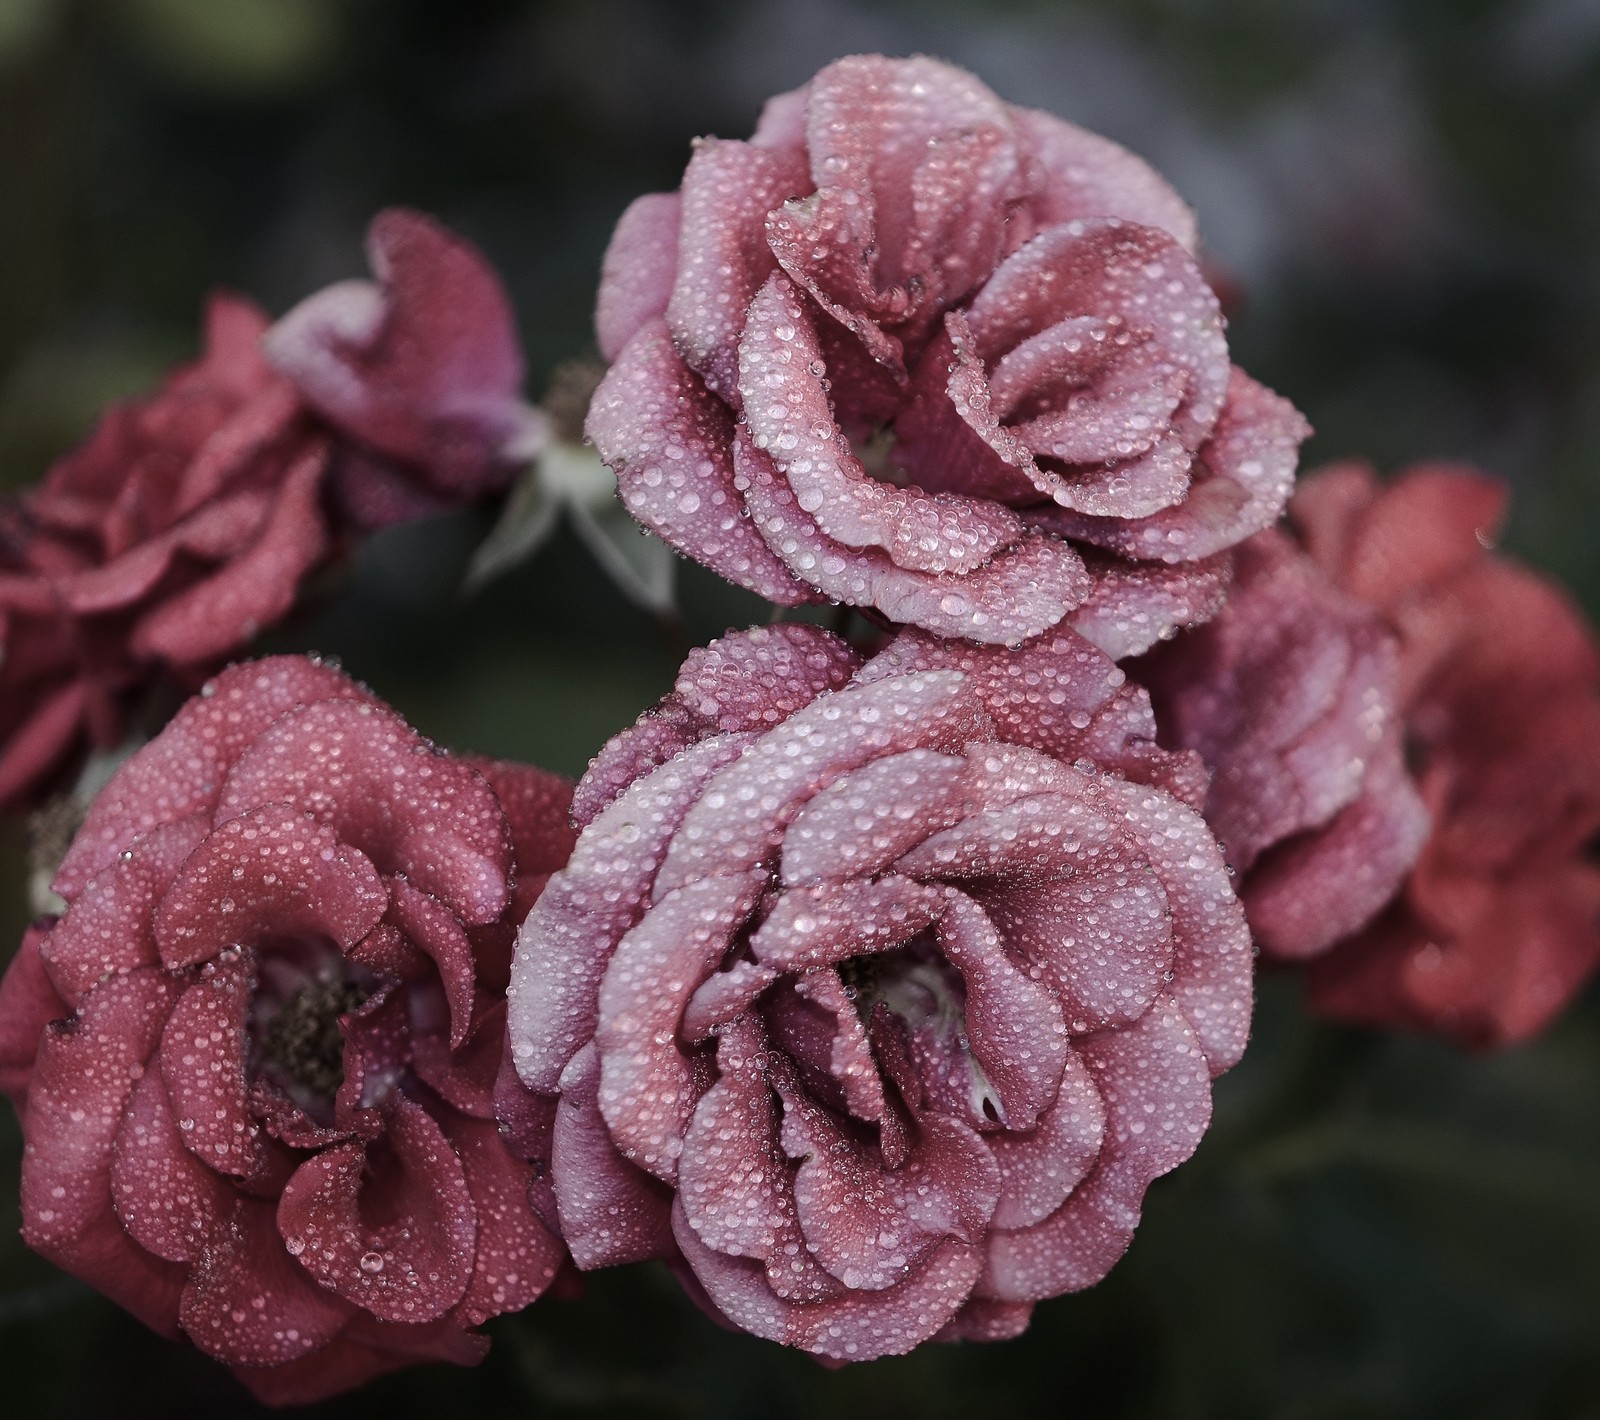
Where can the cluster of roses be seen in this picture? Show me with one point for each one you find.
(869, 985)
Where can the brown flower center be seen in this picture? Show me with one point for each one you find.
(303, 1040)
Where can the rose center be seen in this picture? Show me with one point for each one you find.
(296, 1029)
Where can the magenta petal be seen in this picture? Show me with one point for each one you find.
(432, 927)
(517, 1257)
(740, 817)
(219, 530)
(28, 1003)
(204, 1053)
(638, 269)
(465, 1076)
(389, 1227)
(1040, 1168)
(610, 1211)
(388, 793)
(183, 768)
(261, 876)
(108, 927)
(1320, 888)
(1136, 604)
(722, 252)
(84, 1073)
(1211, 951)
(645, 1079)
(223, 611)
(247, 1303)
(1056, 693)
(1102, 935)
(1014, 1025)
(566, 942)
(167, 1200)
(426, 366)
(1073, 173)
(34, 751)
(1156, 1085)
(667, 438)
(811, 927)
(850, 1058)
(789, 417)
(856, 1326)
(866, 819)
(1242, 481)
(752, 680)
(868, 1226)
(735, 1189)
(1023, 591)
(1037, 839)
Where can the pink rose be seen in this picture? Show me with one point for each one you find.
(875, 995)
(1498, 925)
(255, 1058)
(915, 349)
(421, 372)
(186, 522)
(1291, 696)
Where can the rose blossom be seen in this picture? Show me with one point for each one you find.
(1291, 697)
(874, 994)
(188, 520)
(421, 372)
(1498, 925)
(915, 349)
(254, 1059)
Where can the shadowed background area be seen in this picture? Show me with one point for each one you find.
(1400, 200)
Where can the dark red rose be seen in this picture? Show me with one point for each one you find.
(177, 531)
(187, 521)
(1498, 925)
(420, 371)
(875, 995)
(1291, 696)
(255, 1058)
(915, 349)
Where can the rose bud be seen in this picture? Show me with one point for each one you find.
(914, 349)
(1498, 924)
(255, 1058)
(420, 370)
(875, 995)
(1291, 696)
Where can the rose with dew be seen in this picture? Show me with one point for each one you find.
(1292, 697)
(254, 1059)
(188, 521)
(917, 350)
(420, 371)
(875, 994)
(1497, 926)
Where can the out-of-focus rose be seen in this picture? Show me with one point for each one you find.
(1291, 697)
(255, 1058)
(178, 530)
(1499, 922)
(915, 349)
(868, 995)
(421, 372)
(187, 522)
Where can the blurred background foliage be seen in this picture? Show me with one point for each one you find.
(1402, 199)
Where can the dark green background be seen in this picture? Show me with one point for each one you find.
(1405, 197)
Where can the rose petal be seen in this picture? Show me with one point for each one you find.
(611, 1212)
(391, 1228)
